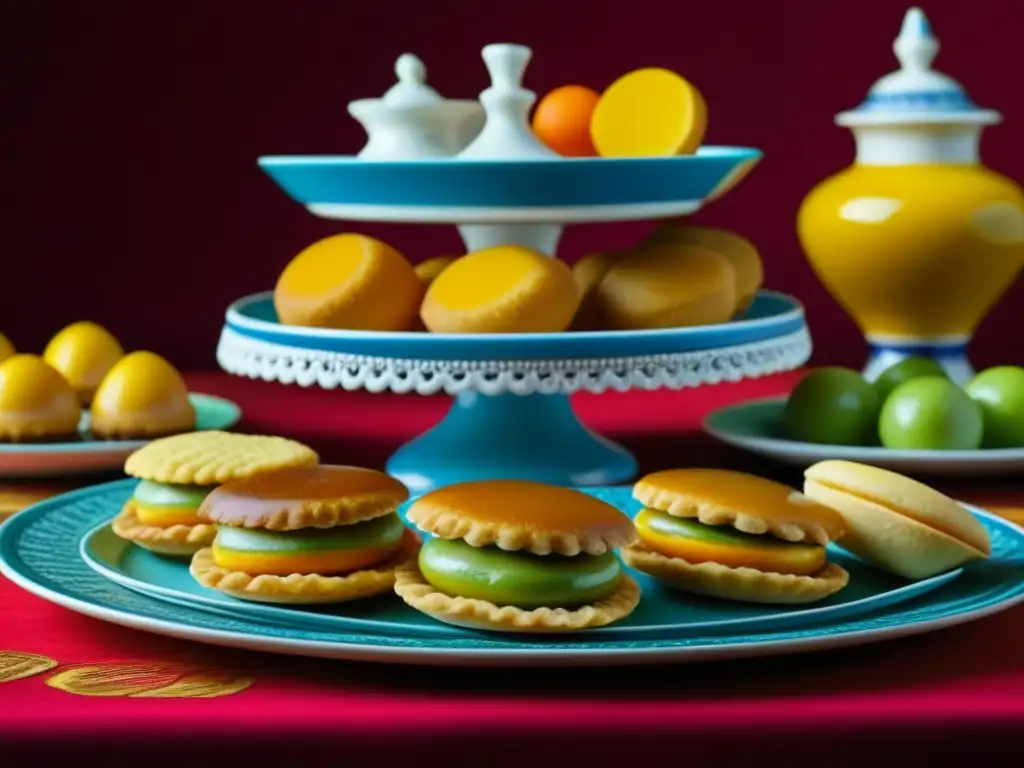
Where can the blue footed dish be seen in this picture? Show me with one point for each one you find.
(476, 191)
(41, 550)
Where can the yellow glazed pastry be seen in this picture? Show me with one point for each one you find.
(322, 534)
(177, 473)
(917, 239)
(83, 353)
(735, 536)
(349, 281)
(588, 273)
(740, 251)
(649, 112)
(518, 556)
(6, 348)
(668, 287)
(36, 402)
(899, 524)
(505, 289)
(142, 396)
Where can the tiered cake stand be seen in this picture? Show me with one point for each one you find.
(511, 416)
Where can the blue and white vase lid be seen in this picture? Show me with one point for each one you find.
(916, 93)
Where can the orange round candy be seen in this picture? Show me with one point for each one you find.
(562, 120)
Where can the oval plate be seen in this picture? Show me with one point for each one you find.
(662, 612)
(556, 190)
(39, 551)
(92, 455)
(757, 426)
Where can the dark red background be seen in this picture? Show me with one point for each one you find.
(131, 132)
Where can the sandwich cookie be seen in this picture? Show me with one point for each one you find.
(305, 535)
(179, 472)
(735, 536)
(518, 556)
(895, 523)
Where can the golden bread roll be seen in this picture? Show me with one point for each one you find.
(349, 281)
(588, 273)
(740, 251)
(668, 287)
(899, 524)
(505, 289)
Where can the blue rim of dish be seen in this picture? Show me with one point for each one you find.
(852, 452)
(773, 315)
(555, 182)
(152, 614)
(92, 444)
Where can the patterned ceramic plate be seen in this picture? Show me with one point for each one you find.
(39, 550)
(756, 426)
(662, 612)
(91, 455)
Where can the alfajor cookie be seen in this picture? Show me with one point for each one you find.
(505, 289)
(737, 249)
(896, 523)
(349, 281)
(518, 556)
(177, 473)
(735, 536)
(305, 535)
(667, 287)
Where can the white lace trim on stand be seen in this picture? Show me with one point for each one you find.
(245, 356)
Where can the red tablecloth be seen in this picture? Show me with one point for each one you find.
(956, 694)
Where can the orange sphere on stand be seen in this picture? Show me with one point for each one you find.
(562, 120)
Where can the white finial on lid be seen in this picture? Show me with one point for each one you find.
(916, 47)
(916, 93)
(507, 134)
(411, 87)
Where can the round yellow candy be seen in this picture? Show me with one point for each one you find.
(649, 113)
(83, 353)
(6, 348)
(505, 289)
(36, 402)
(143, 396)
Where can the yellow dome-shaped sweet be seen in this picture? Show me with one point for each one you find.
(143, 396)
(83, 353)
(6, 348)
(36, 402)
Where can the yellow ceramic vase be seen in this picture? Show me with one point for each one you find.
(917, 240)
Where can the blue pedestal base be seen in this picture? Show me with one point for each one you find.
(951, 354)
(531, 437)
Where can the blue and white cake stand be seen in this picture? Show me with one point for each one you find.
(511, 416)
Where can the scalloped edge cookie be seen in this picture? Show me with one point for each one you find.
(330, 513)
(481, 614)
(213, 457)
(741, 584)
(304, 588)
(178, 540)
(447, 524)
(672, 503)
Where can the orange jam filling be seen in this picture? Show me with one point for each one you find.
(165, 517)
(286, 563)
(695, 543)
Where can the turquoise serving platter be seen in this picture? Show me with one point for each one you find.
(40, 550)
(89, 454)
(757, 426)
(662, 612)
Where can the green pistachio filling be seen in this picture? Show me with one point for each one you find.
(665, 524)
(154, 495)
(519, 579)
(381, 533)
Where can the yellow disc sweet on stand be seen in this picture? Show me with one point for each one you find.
(649, 113)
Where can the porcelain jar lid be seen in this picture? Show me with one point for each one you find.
(916, 94)
(411, 88)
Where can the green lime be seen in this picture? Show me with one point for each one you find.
(906, 369)
(999, 392)
(833, 406)
(930, 414)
